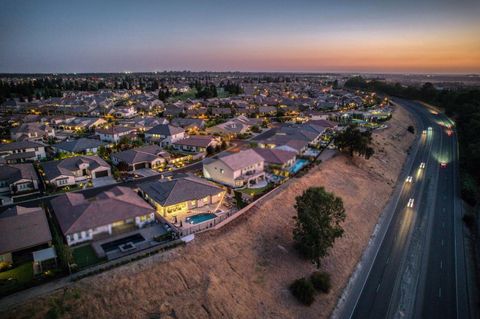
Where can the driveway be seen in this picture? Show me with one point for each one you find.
(103, 181)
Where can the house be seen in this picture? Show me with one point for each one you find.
(32, 132)
(244, 168)
(113, 134)
(79, 146)
(75, 170)
(277, 159)
(165, 134)
(189, 124)
(24, 231)
(81, 219)
(151, 156)
(22, 151)
(18, 179)
(239, 125)
(177, 197)
(195, 143)
(125, 112)
(143, 123)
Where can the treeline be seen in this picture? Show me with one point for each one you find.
(462, 105)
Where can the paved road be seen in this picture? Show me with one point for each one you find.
(441, 292)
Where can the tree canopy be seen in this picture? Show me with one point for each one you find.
(318, 222)
(353, 141)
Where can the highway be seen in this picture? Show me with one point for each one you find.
(417, 278)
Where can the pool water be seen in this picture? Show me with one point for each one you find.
(200, 218)
(299, 164)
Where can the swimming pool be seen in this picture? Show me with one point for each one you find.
(200, 218)
(298, 165)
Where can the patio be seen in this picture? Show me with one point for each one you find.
(140, 237)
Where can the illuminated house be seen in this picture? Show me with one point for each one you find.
(240, 169)
(110, 212)
(174, 198)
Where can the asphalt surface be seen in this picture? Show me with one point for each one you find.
(441, 292)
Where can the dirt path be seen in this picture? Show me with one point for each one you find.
(244, 269)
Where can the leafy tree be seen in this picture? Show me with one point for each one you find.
(317, 224)
(352, 141)
(64, 253)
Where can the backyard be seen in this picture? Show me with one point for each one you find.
(85, 256)
(15, 278)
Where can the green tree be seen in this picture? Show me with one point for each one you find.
(64, 253)
(352, 141)
(317, 224)
(303, 290)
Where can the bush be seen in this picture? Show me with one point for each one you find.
(321, 281)
(303, 290)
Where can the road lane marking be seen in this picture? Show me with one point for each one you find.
(388, 260)
(443, 224)
(439, 292)
(441, 264)
(378, 287)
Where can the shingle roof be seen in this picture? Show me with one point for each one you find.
(139, 155)
(69, 165)
(275, 156)
(75, 213)
(241, 159)
(165, 130)
(80, 145)
(179, 190)
(14, 172)
(19, 145)
(197, 140)
(22, 228)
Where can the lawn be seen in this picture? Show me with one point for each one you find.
(85, 256)
(15, 278)
(254, 191)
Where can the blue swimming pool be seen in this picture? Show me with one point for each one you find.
(200, 218)
(298, 165)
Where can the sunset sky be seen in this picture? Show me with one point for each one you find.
(433, 36)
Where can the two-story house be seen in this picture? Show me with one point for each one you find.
(165, 134)
(18, 179)
(245, 168)
(22, 151)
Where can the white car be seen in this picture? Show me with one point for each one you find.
(424, 132)
(410, 203)
(409, 179)
(422, 165)
(429, 128)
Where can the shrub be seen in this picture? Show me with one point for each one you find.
(303, 290)
(321, 281)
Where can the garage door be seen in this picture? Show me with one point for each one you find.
(101, 173)
(140, 165)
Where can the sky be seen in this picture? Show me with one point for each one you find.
(381, 36)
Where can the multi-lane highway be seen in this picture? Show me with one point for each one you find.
(415, 267)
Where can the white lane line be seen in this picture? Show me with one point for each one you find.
(388, 260)
(441, 264)
(439, 292)
(378, 287)
(443, 224)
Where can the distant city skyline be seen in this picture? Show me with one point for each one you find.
(254, 36)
